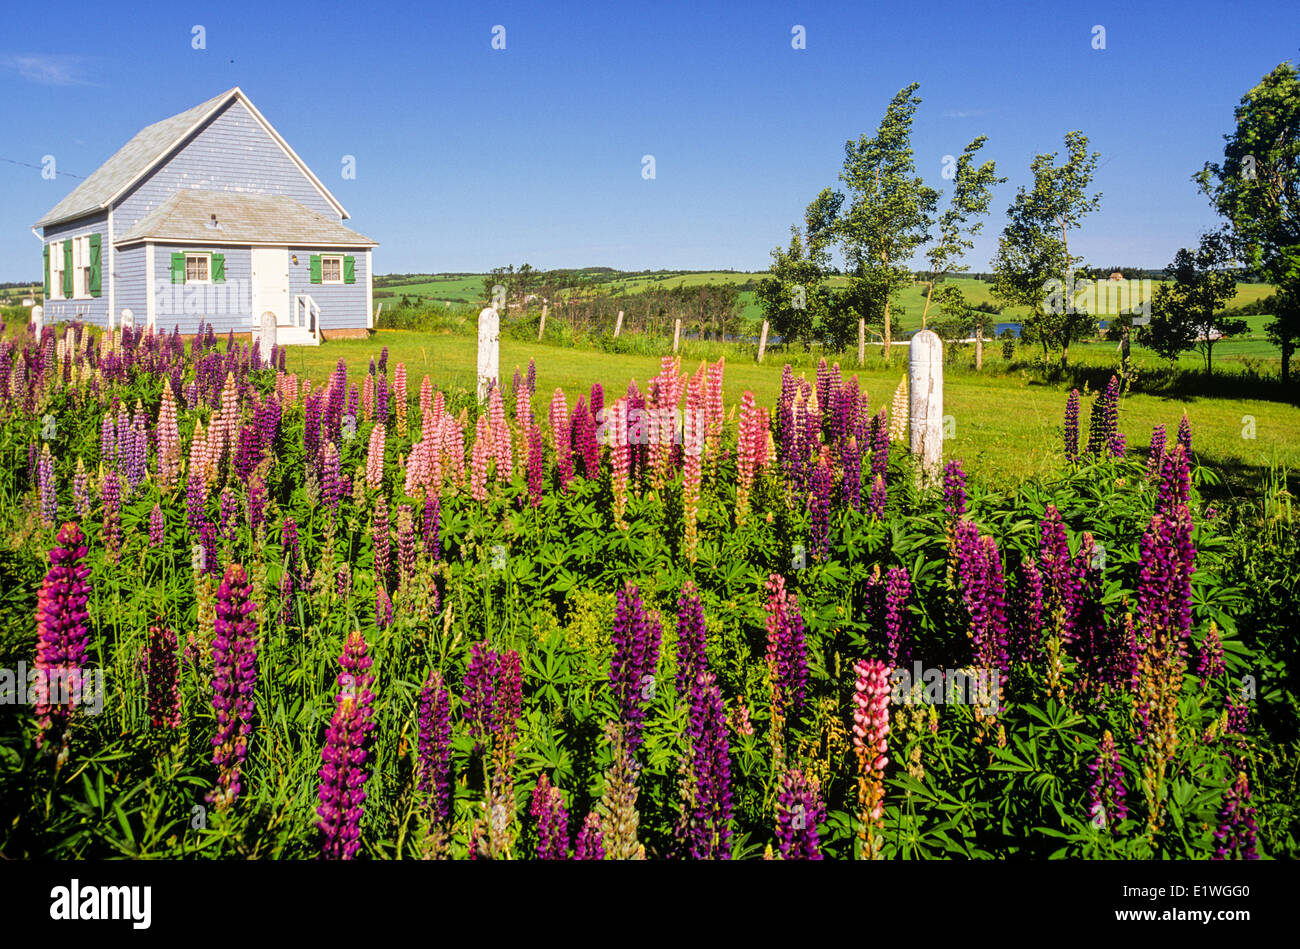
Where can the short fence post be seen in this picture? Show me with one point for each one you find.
(489, 353)
(925, 384)
(618, 324)
(677, 335)
(541, 327)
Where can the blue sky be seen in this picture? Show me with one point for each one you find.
(469, 157)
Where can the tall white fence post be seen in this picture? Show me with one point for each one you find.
(925, 384)
(762, 342)
(677, 335)
(862, 342)
(618, 324)
(489, 353)
(541, 327)
(38, 320)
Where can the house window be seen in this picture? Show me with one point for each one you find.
(81, 266)
(56, 270)
(331, 269)
(196, 268)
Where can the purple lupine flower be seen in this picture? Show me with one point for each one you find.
(898, 587)
(343, 774)
(81, 491)
(311, 431)
(1238, 717)
(632, 668)
(382, 541)
(510, 695)
(479, 692)
(1185, 434)
(819, 508)
(596, 400)
(799, 809)
(954, 489)
(590, 844)
(161, 673)
(48, 490)
(1164, 593)
(435, 747)
(381, 398)
(879, 445)
(1175, 491)
(432, 526)
(980, 580)
(708, 829)
(1156, 454)
(1209, 656)
(196, 497)
(691, 659)
(234, 677)
(1072, 426)
(229, 507)
(1106, 805)
(62, 635)
(876, 502)
(1235, 837)
(111, 496)
(1100, 648)
(383, 608)
(552, 821)
(823, 386)
(1060, 585)
(405, 543)
(332, 485)
(531, 379)
(343, 582)
(851, 466)
(1027, 612)
(786, 655)
(383, 362)
(156, 526)
(582, 439)
(256, 504)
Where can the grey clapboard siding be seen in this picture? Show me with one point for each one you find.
(233, 152)
(342, 305)
(87, 309)
(223, 306)
(129, 276)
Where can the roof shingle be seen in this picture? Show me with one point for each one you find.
(242, 218)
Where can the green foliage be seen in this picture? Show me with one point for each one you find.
(1186, 313)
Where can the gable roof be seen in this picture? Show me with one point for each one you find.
(244, 218)
(148, 149)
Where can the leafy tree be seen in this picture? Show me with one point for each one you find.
(1183, 312)
(1257, 187)
(1034, 248)
(971, 196)
(794, 298)
(890, 210)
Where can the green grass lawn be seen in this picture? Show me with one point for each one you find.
(1006, 425)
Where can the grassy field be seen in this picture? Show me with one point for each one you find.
(1005, 425)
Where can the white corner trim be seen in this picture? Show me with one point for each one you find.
(370, 292)
(150, 317)
(107, 269)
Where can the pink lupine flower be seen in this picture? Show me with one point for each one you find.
(693, 439)
(426, 396)
(713, 410)
(750, 442)
(535, 465)
(368, 398)
(620, 456)
(347, 743)
(559, 417)
(375, 458)
(871, 744)
(169, 440)
(500, 443)
(479, 462)
(399, 398)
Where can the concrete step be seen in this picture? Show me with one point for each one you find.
(295, 336)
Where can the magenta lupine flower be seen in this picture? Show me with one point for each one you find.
(432, 526)
(161, 674)
(48, 491)
(156, 526)
(708, 830)
(1185, 434)
(876, 502)
(435, 747)
(347, 741)
(786, 655)
(1106, 805)
(898, 587)
(1072, 426)
(62, 635)
(596, 400)
(1235, 837)
(583, 440)
(691, 660)
(479, 692)
(1175, 491)
(535, 463)
(560, 431)
(590, 844)
(954, 489)
(799, 809)
(980, 580)
(234, 677)
(1164, 594)
(383, 608)
(1238, 717)
(819, 509)
(823, 386)
(1026, 612)
(552, 821)
(636, 637)
(382, 542)
(879, 445)
(510, 694)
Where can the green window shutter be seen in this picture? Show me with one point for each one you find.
(96, 267)
(315, 268)
(218, 268)
(67, 269)
(349, 270)
(47, 271)
(178, 266)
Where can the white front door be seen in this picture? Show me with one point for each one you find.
(270, 289)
